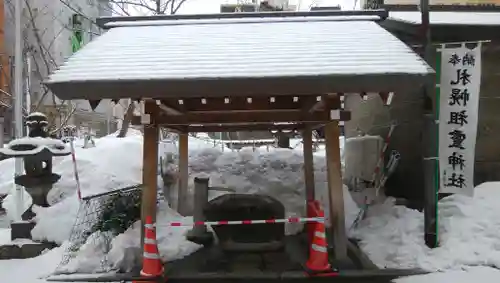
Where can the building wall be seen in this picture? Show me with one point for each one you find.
(249, 6)
(487, 167)
(51, 45)
(442, 2)
(372, 117)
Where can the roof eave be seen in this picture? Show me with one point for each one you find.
(381, 13)
(442, 33)
(303, 85)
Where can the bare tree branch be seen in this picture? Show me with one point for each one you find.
(120, 3)
(119, 6)
(65, 122)
(158, 7)
(78, 12)
(126, 120)
(174, 10)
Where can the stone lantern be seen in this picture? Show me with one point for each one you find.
(37, 151)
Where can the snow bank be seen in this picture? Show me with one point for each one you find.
(469, 229)
(172, 243)
(102, 252)
(467, 275)
(54, 224)
(277, 173)
(100, 169)
(32, 270)
(4, 236)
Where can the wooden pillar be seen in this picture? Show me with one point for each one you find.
(1, 131)
(308, 163)
(150, 167)
(309, 177)
(335, 190)
(183, 174)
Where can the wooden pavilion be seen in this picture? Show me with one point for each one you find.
(242, 72)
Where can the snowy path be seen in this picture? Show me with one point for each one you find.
(34, 270)
(4, 222)
(478, 274)
(30, 270)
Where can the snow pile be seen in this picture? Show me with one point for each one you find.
(469, 229)
(320, 151)
(467, 275)
(4, 236)
(171, 240)
(100, 169)
(277, 173)
(31, 270)
(124, 249)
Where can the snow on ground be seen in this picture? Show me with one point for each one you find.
(4, 236)
(392, 235)
(473, 274)
(277, 173)
(32, 270)
(469, 229)
(117, 162)
(124, 253)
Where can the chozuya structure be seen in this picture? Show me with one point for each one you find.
(246, 71)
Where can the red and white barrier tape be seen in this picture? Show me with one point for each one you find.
(77, 179)
(382, 154)
(242, 222)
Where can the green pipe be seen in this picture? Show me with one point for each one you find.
(437, 174)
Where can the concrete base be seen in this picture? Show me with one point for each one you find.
(21, 230)
(24, 250)
(204, 238)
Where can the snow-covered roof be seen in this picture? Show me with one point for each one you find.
(181, 51)
(449, 18)
(37, 114)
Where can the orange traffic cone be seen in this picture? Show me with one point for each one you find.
(318, 253)
(151, 263)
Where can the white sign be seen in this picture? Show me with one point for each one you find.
(460, 84)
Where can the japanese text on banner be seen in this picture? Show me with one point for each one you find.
(459, 101)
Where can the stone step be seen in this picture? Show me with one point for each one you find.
(21, 230)
(23, 248)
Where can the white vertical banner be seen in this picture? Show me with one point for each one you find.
(459, 103)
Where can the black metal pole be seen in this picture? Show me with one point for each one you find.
(430, 138)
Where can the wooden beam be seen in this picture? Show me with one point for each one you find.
(168, 110)
(265, 86)
(257, 117)
(335, 190)
(332, 101)
(239, 103)
(150, 167)
(308, 176)
(244, 127)
(183, 174)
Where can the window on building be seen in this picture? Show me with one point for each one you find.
(77, 32)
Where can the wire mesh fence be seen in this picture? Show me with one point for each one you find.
(101, 217)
